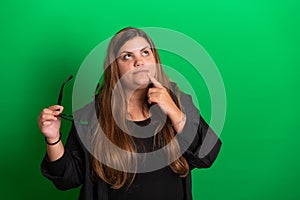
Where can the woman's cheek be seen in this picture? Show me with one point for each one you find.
(124, 69)
(152, 70)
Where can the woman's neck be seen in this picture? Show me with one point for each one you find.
(137, 106)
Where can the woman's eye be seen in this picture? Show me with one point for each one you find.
(126, 56)
(145, 53)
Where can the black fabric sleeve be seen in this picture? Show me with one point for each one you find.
(205, 148)
(66, 172)
(200, 142)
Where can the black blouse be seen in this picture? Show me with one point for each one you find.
(73, 169)
(161, 184)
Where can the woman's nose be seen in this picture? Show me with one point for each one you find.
(139, 62)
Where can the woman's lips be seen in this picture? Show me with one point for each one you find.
(141, 71)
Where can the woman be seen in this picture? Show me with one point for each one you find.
(141, 96)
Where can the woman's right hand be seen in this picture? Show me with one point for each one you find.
(49, 122)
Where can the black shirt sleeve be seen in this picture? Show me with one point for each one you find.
(200, 142)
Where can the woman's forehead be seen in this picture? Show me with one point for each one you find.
(134, 44)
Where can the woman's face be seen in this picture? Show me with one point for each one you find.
(135, 60)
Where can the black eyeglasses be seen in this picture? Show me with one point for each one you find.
(68, 117)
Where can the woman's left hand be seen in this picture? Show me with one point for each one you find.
(160, 95)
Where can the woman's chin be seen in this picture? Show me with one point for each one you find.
(142, 81)
(142, 85)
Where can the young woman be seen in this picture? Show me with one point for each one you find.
(141, 96)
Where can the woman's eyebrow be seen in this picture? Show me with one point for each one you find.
(145, 48)
(142, 49)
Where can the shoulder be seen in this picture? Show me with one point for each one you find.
(85, 111)
(85, 118)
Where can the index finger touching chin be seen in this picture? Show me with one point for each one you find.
(154, 81)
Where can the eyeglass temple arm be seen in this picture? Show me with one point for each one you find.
(62, 88)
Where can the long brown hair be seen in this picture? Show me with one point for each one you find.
(119, 137)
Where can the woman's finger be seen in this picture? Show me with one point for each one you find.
(154, 81)
(155, 91)
(53, 110)
(46, 123)
(47, 117)
(56, 108)
(47, 111)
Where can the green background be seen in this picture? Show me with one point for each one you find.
(255, 45)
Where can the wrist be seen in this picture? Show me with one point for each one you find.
(173, 111)
(53, 141)
(181, 120)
